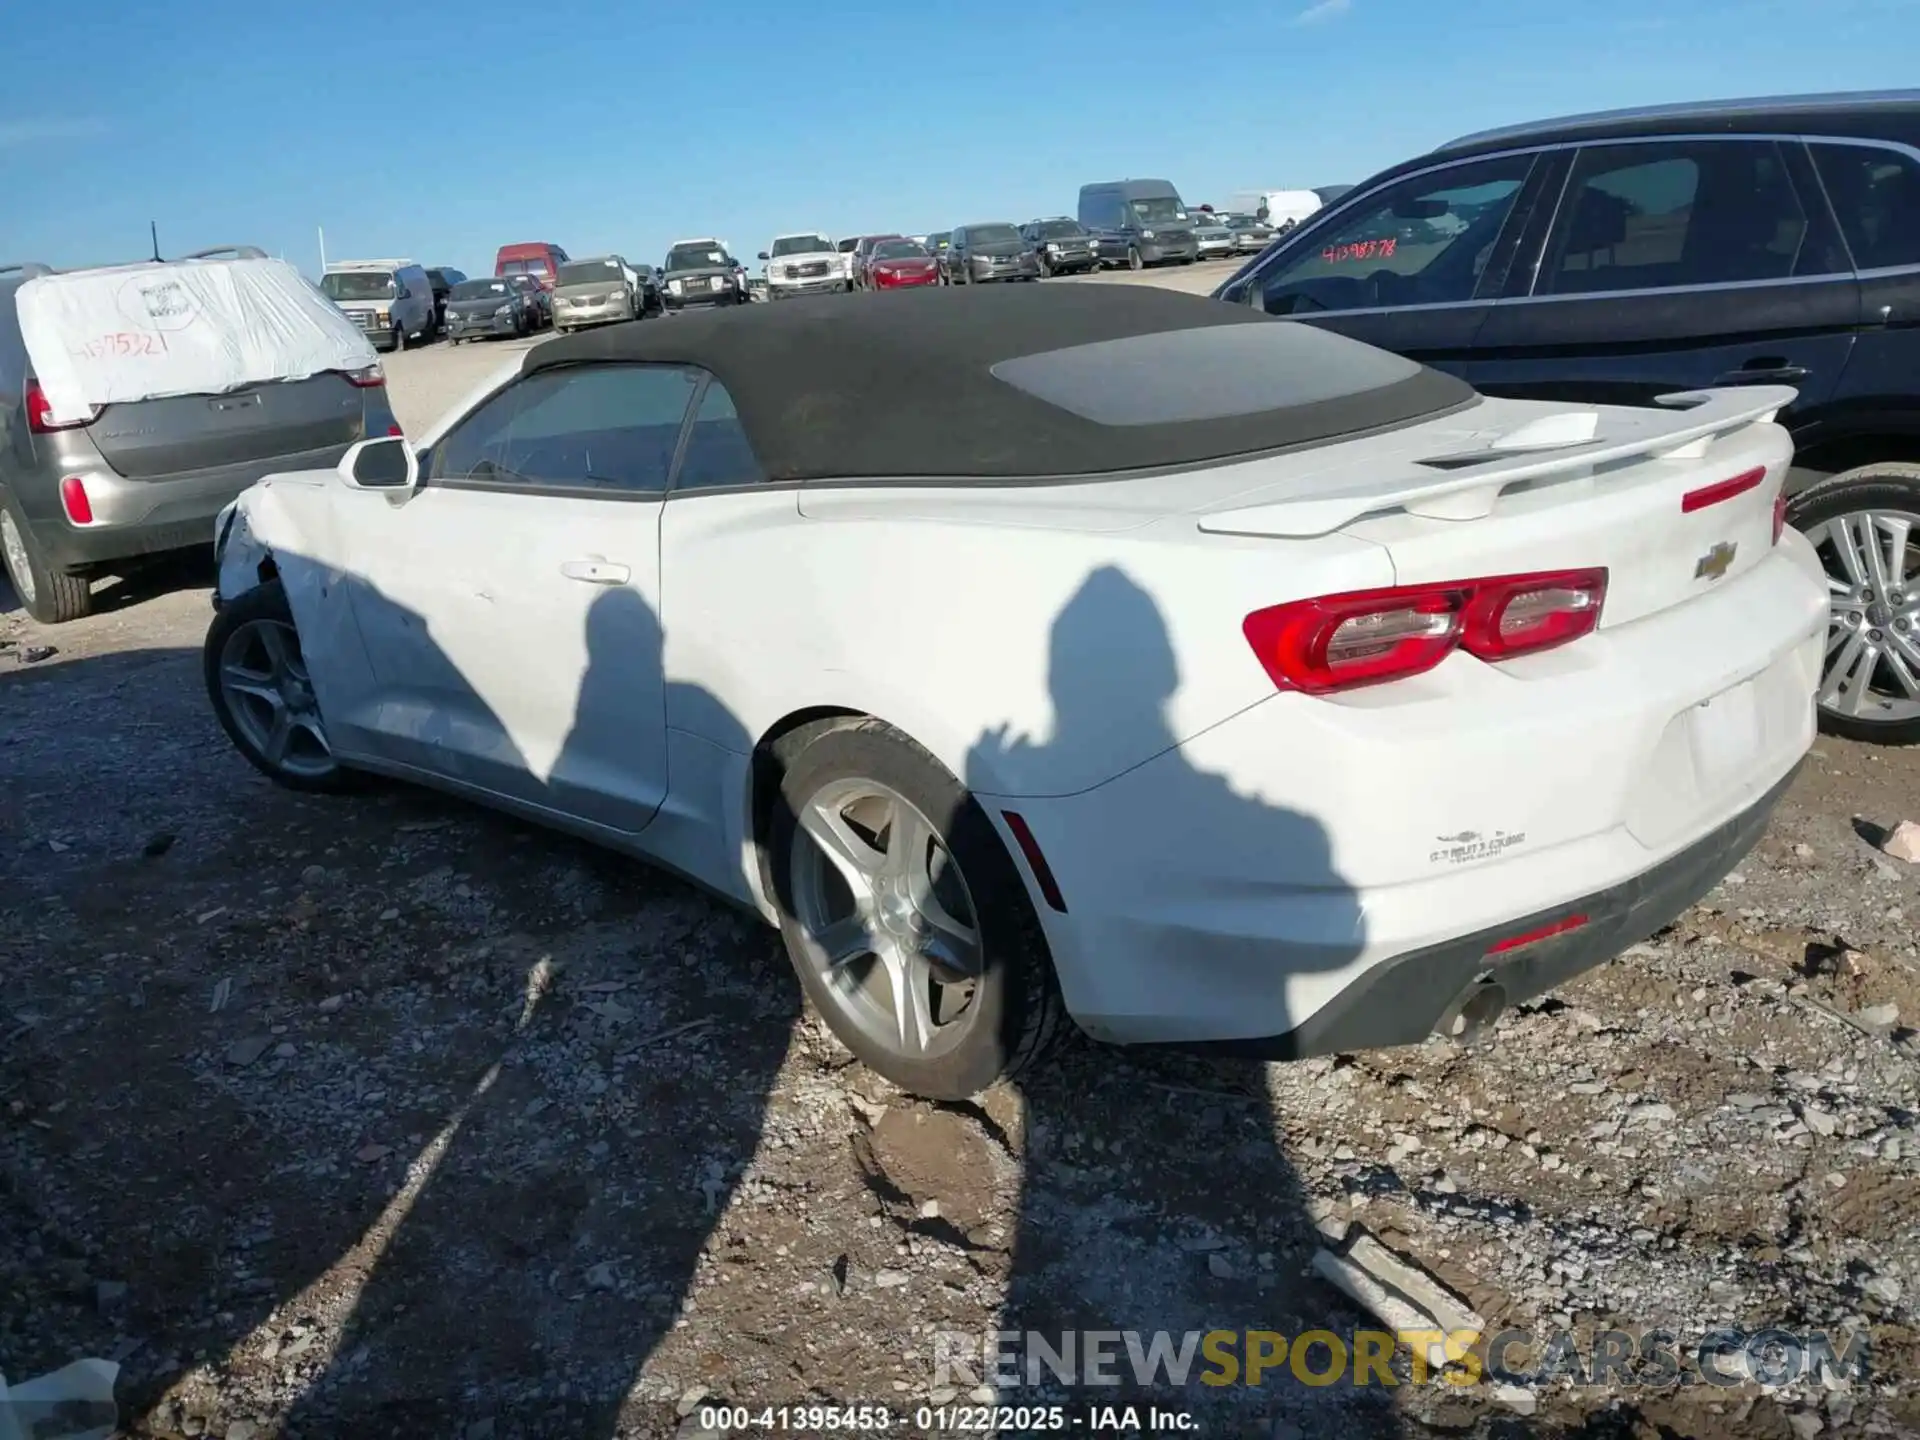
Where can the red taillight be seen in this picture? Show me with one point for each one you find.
(73, 499)
(371, 378)
(1779, 516)
(395, 430)
(40, 419)
(1367, 637)
(1036, 861)
(1722, 490)
(1534, 937)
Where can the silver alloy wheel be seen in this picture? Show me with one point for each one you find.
(1872, 667)
(888, 923)
(264, 682)
(14, 544)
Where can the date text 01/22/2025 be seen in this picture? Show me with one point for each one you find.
(950, 1419)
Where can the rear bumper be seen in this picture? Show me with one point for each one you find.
(153, 517)
(1241, 884)
(1404, 1000)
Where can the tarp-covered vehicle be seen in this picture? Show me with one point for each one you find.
(140, 399)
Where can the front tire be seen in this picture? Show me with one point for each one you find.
(52, 597)
(1134, 260)
(257, 680)
(903, 915)
(1870, 679)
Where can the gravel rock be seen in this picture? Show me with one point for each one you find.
(1903, 842)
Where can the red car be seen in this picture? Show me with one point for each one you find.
(897, 263)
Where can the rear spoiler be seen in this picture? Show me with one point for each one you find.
(1466, 485)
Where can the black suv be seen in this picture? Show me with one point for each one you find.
(1614, 258)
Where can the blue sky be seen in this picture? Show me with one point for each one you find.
(441, 131)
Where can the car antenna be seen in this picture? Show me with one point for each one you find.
(153, 231)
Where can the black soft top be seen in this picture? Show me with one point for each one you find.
(1024, 381)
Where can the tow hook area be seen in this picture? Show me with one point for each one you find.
(1470, 1018)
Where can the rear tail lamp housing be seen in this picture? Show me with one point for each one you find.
(40, 419)
(1370, 637)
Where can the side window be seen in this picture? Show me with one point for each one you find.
(718, 452)
(1876, 196)
(1656, 217)
(1423, 241)
(610, 428)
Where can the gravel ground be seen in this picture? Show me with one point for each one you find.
(387, 1116)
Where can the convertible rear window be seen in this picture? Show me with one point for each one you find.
(1211, 373)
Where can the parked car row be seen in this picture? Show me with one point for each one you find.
(1131, 223)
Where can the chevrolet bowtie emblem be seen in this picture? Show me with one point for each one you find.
(1714, 563)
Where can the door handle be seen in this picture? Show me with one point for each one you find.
(595, 571)
(1770, 370)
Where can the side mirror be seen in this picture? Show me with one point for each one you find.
(386, 463)
(765, 256)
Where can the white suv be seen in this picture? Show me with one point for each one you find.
(804, 263)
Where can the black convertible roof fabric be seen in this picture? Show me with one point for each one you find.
(941, 383)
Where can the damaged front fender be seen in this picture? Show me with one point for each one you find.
(243, 558)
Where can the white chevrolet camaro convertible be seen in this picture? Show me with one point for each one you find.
(1095, 653)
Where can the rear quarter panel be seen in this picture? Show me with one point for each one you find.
(974, 623)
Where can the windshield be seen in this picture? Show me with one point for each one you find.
(899, 250)
(1058, 230)
(800, 245)
(525, 267)
(1159, 210)
(695, 257)
(358, 285)
(992, 235)
(845, 247)
(589, 272)
(479, 289)
(1239, 221)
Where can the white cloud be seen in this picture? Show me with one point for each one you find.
(34, 132)
(1323, 11)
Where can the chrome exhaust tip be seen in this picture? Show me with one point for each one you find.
(1470, 1018)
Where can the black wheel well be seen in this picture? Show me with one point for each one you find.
(1850, 452)
(766, 771)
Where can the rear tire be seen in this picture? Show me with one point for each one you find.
(1004, 1004)
(50, 596)
(1827, 512)
(257, 680)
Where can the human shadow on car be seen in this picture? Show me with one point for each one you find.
(552, 1231)
(1156, 1194)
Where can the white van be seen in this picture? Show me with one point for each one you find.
(1281, 209)
(390, 300)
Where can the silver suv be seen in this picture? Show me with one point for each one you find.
(81, 498)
